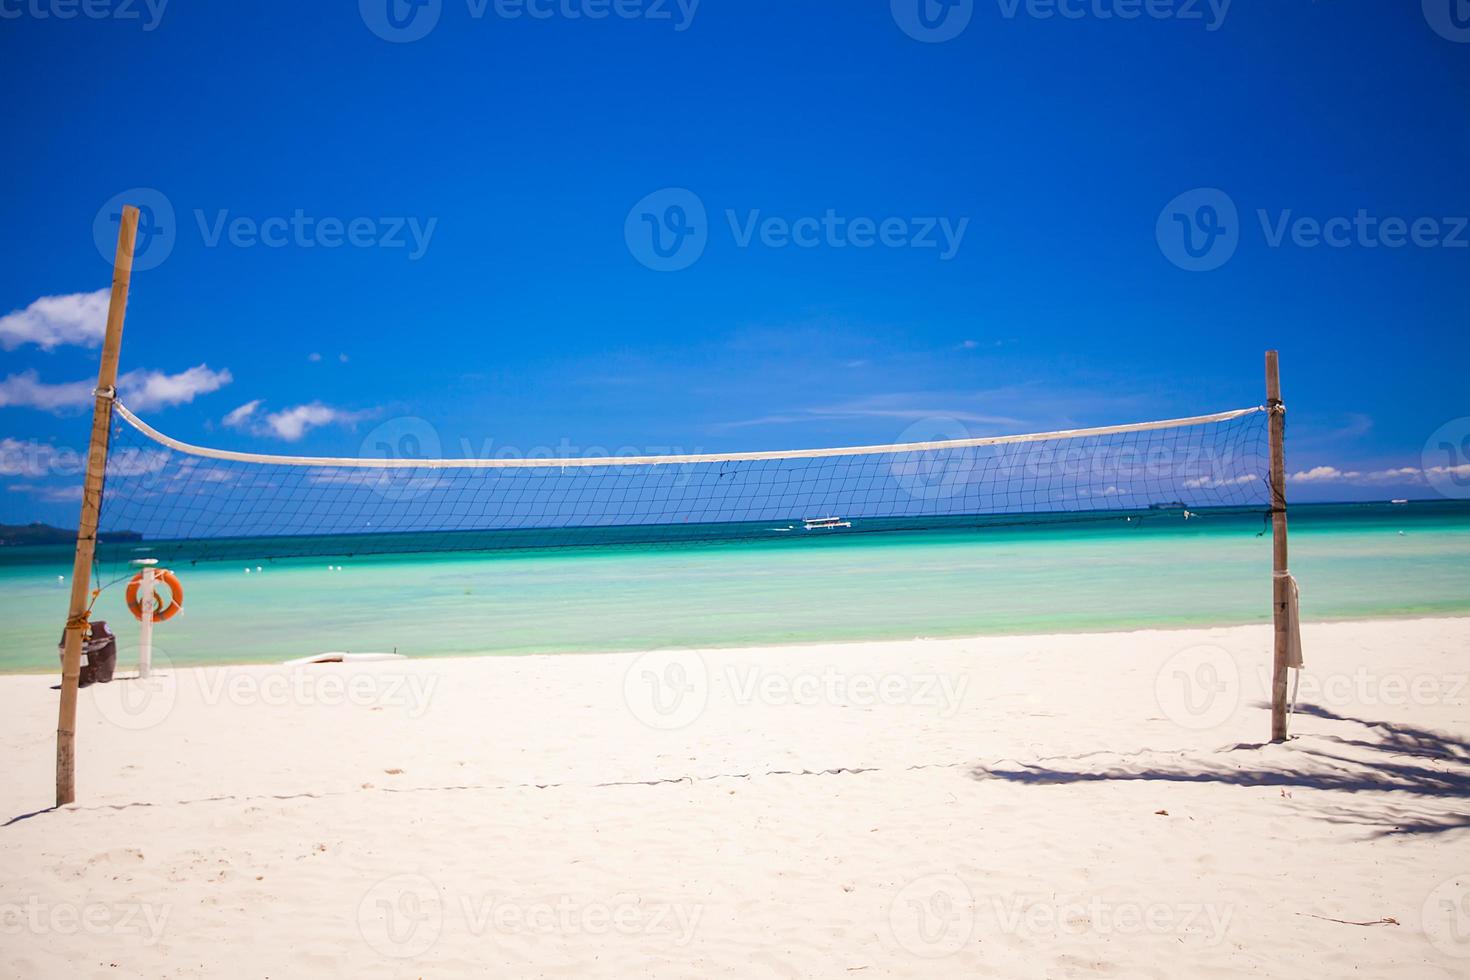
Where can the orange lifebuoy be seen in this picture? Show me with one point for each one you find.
(161, 612)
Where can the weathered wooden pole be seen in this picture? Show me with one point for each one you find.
(81, 570)
(1280, 583)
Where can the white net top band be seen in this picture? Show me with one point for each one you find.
(543, 463)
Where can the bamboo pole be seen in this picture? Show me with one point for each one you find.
(81, 571)
(1280, 584)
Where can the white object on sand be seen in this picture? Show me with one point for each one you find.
(338, 657)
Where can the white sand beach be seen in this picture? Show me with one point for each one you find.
(1042, 806)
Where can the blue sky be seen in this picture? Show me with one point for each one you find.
(989, 205)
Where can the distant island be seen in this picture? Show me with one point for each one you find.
(23, 534)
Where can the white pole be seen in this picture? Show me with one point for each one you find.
(145, 632)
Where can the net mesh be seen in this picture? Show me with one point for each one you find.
(181, 504)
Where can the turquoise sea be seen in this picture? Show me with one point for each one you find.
(1156, 570)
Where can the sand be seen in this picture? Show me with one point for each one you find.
(1045, 806)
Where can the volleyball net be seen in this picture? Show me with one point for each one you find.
(164, 499)
(182, 502)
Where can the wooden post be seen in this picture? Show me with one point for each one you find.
(81, 570)
(1280, 585)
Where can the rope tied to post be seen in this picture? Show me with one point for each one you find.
(83, 619)
(1277, 407)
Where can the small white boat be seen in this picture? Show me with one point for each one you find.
(1398, 501)
(825, 523)
(339, 657)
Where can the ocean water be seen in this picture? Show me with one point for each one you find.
(1157, 570)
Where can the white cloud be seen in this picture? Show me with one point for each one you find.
(65, 493)
(1396, 475)
(147, 390)
(39, 459)
(1211, 482)
(1322, 474)
(289, 424)
(237, 418)
(1461, 470)
(133, 461)
(27, 390)
(33, 459)
(76, 318)
(1404, 474)
(141, 390)
(313, 357)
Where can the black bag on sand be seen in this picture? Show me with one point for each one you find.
(99, 654)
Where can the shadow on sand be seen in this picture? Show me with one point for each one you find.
(1428, 771)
